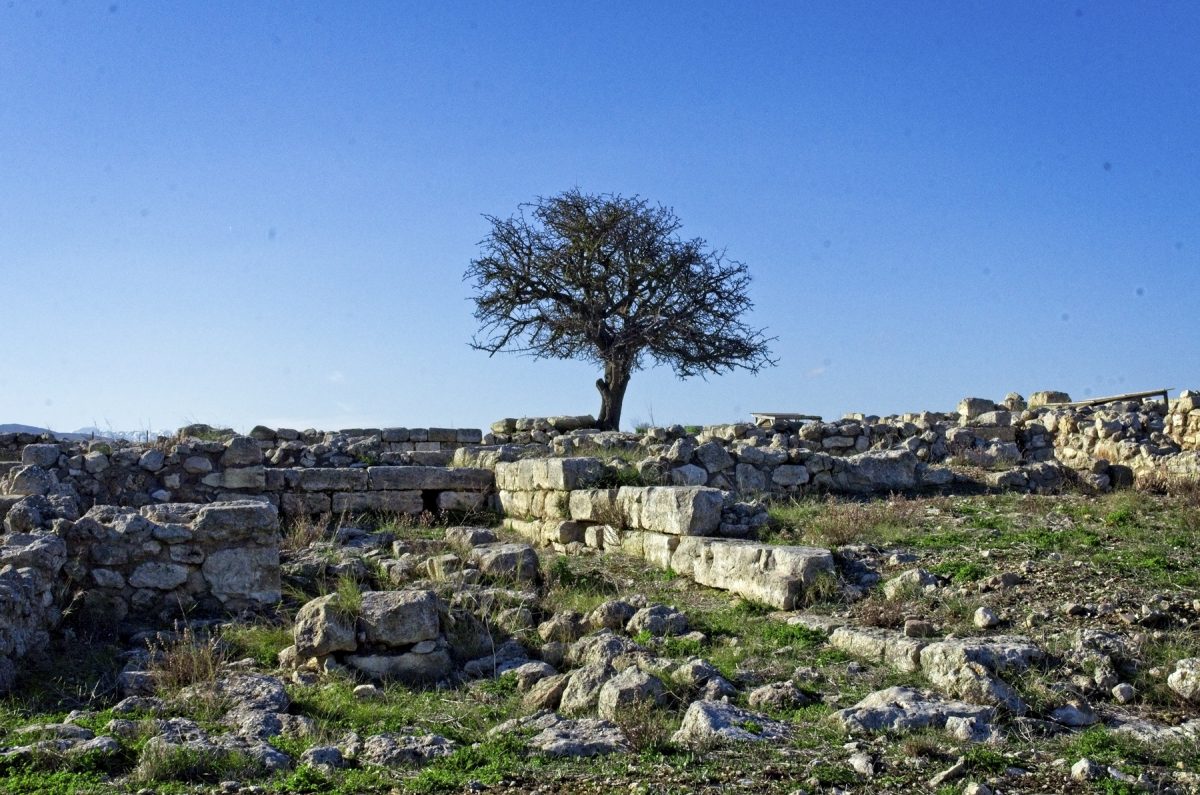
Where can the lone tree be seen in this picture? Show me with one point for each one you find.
(608, 279)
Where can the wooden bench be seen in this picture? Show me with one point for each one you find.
(767, 419)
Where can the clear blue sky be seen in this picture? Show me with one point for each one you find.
(250, 212)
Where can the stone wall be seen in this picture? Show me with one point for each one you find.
(157, 563)
(30, 564)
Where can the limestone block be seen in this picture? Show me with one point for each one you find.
(197, 465)
(1038, 399)
(971, 407)
(241, 451)
(378, 501)
(162, 576)
(558, 474)
(658, 549)
(677, 510)
(788, 475)
(689, 475)
(562, 532)
(430, 478)
(395, 619)
(517, 504)
(332, 479)
(239, 519)
(409, 667)
(594, 505)
(40, 455)
(243, 577)
(468, 436)
(683, 559)
(30, 480)
(772, 574)
(249, 478)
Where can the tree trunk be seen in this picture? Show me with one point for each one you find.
(612, 395)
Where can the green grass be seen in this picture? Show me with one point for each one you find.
(461, 715)
(487, 763)
(960, 571)
(260, 642)
(34, 781)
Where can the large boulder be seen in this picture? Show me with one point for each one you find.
(506, 561)
(909, 709)
(714, 722)
(396, 619)
(629, 689)
(322, 628)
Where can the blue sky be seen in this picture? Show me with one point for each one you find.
(249, 213)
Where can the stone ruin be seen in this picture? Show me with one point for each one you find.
(190, 525)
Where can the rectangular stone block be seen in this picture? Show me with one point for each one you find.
(683, 559)
(562, 532)
(530, 529)
(772, 574)
(331, 479)
(247, 478)
(300, 503)
(275, 479)
(468, 436)
(595, 505)
(555, 474)
(378, 501)
(593, 536)
(658, 548)
(676, 510)
(391, 435)
(447, 435)
(428, 478)
(516, 504)
(427, 447)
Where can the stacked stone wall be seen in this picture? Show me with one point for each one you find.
(163, 561)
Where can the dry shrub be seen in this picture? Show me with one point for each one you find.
(847, 522)
(881, 613)
(303, 532)
(185, 658)
(646, 726)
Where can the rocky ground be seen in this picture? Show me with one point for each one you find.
(998, 643)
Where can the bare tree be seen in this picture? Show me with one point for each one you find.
(607, 279)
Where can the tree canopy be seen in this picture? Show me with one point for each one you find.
(608, 279)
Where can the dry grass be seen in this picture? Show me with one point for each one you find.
(837, 522)
(187, 658)
(304, 531)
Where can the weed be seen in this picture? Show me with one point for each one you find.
(260, 642)
(348, 597)
(645, 726)
(304, 531)
(184, 658)
(162, 762)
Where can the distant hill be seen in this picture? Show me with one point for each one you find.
(75, 436)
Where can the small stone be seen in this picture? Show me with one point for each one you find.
(1124, 693)
(1086, 770)
(367, 693)
(862, 764)
(917, 628)
(986, 618)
